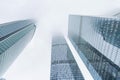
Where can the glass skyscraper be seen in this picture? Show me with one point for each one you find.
(97, 41)
(63, 64)
(13, 38)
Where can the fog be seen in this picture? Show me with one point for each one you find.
(51, 17)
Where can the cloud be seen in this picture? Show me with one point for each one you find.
(51, 17)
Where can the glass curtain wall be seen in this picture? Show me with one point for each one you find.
(13, 38)
(97, 40)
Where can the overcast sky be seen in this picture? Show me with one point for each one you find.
(51, 16)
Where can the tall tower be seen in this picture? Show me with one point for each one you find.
(13, 38)
(97, 41)
(63, 64)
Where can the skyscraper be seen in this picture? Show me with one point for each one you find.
(63, 64)
(97, 41)
(2, 79)
(13, 38)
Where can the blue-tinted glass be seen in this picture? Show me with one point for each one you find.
(13, 38)
(63, 65)
(97, 43)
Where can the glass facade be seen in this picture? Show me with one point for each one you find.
(97, 40)
(63, 64)
(2, 79)
(13, 38)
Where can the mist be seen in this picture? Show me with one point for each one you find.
(51, 17)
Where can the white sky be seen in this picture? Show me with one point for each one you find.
(51, 17)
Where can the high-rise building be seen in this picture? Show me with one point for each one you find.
(2, 79)
(117, 14)
(97, 41)
(13, 38)
(63, 64)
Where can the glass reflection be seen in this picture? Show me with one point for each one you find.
(63, 65)
(97, 42)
